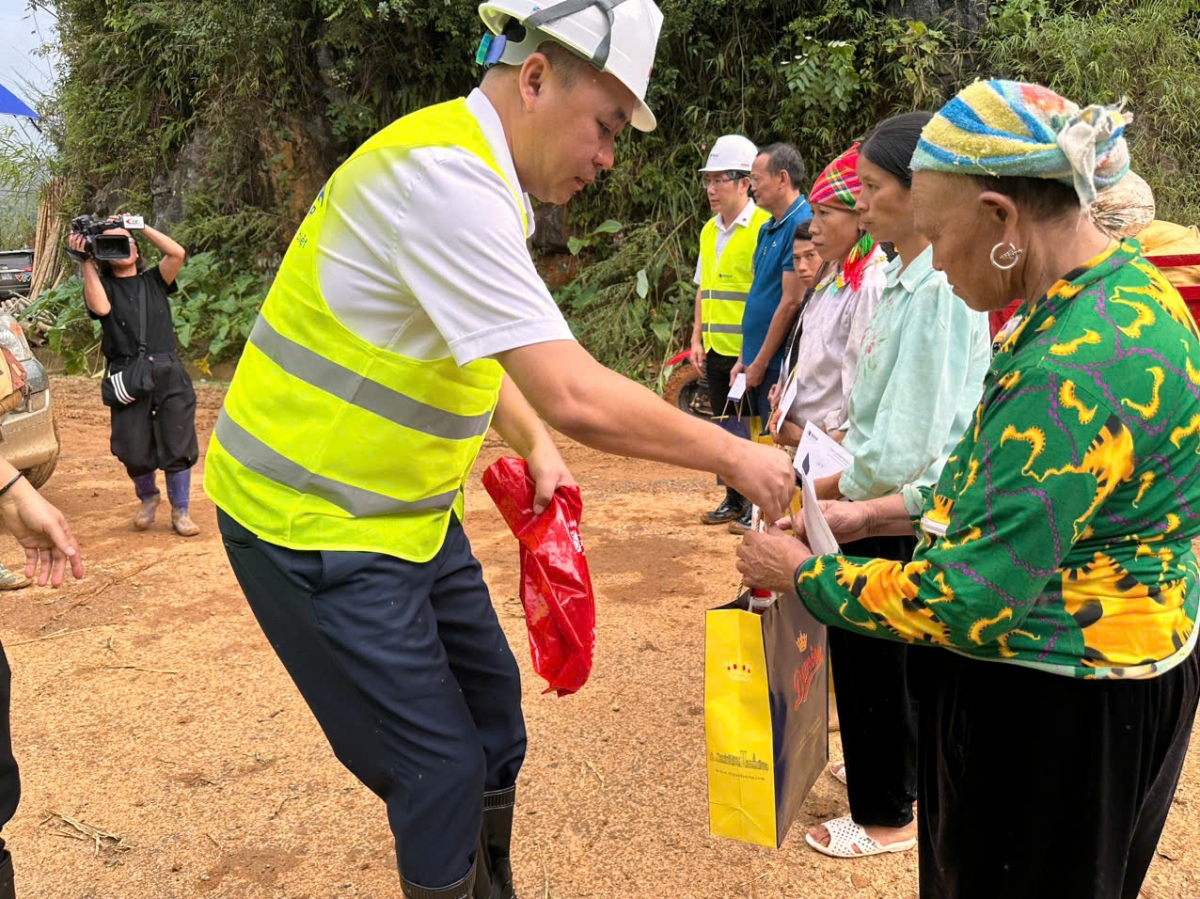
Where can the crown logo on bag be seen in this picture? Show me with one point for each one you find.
(802, 642)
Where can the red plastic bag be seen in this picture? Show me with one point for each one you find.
(556, 589)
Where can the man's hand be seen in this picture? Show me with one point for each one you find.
(697, 358)
(738, 368)
(549, 472)
(756, 373)
(764, 475)
(769, 560)
(773, 395)
(78, 243)
(44, 533)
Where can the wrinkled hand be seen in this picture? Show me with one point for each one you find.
(764, 475)
(773, 424)
(697, 357)
(769, 560)
(44, 533)
(756, 373)
(828, 487)
(738, 368)
(848, 521)
(549, 472)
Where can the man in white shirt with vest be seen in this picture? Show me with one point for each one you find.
(406, 312)
(724, 273)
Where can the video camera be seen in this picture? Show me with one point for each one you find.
(100, 245)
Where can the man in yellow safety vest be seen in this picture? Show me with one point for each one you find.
(724, 274)
(407, 317)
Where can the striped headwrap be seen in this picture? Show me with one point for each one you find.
(839, 183)
(1011, 129)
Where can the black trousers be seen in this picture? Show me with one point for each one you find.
(1042, 786)
(10, 780)
(877, 710)
(409, 675)
(159, 430)
(716, 370)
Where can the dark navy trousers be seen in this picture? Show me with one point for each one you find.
(408, 673)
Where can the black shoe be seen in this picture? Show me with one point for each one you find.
(495, 840)
(732, 507)
(744, 523)
(7, 890)
(464, 889)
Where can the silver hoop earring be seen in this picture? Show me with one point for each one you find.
(1008, 258)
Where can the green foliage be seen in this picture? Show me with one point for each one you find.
(214, 309)
(239, 110)
(1147, 53)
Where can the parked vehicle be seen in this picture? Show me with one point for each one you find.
(16, 271)
(686, 388)
(30, 434)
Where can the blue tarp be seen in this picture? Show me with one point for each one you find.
(10, 104)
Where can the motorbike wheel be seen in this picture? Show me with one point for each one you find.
(687, 391)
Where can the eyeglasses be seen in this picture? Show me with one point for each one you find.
(717, 182)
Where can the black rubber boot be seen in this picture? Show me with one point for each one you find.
(742, 524)
(732, 507)
(7, 890)
(464, 889)
(495, 842)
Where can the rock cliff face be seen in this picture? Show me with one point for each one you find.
(969, 14)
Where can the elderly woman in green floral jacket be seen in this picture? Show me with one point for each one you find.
(1054, 591)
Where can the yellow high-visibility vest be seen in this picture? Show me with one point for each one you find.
(725, 283)
(326, 441)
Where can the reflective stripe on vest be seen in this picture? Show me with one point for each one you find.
(352, 387)
(725, 283)
(328, 442)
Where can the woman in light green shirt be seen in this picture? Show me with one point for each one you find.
(918, 379)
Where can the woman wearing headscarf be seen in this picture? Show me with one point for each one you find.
(918, 380)
(1055, 579)
(1127, 209)
(834, 319)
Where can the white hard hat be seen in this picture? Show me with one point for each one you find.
(616, 36)
(731, 153)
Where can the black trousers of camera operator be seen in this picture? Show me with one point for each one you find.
(159, 430)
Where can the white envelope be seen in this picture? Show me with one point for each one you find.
(819, 537)
(819, 455)
(738, 389)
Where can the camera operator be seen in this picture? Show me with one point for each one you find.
(158, 430)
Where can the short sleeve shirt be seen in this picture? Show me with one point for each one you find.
(423, 252)
(772, 257)
(121, 325)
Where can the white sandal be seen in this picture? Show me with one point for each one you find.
(849, 840)
(840, 773)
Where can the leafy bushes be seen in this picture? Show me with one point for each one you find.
(215, 307)
(227, 116)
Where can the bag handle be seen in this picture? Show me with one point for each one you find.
(141, 315)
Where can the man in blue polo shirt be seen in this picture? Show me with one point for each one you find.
(776, 291)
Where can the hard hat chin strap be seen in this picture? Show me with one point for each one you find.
(565, 8)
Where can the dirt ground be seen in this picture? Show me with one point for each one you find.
(164, 752)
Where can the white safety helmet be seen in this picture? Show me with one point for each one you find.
(731, 153)
(616, 36)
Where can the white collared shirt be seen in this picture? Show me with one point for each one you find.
(423, 252)
(724, 232)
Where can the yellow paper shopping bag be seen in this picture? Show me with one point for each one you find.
(765, 717)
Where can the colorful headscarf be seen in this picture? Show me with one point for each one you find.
(1125, 208)
(839, 183)
(1011, 129)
